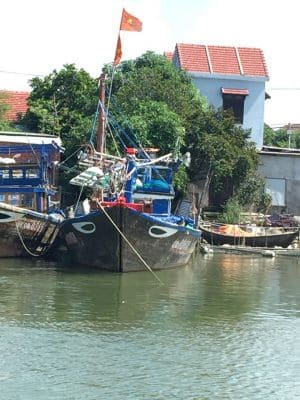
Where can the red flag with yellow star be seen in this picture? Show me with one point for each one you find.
(118, 54)
(130, 23)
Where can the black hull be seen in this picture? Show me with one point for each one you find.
(24, 235)
(283, 239)
(95, 241)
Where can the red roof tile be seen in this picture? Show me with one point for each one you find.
(168, 55)
(222, 60)
(17, 102)
(193, 57)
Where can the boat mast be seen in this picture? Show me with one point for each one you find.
(102, 116)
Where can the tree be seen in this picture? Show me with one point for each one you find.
(157, 99)
(159, 102)
(221, 149)
(280, 137)
(4, 124)
(167, 111)
(63, 103)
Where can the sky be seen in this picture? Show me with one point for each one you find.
(38, 36)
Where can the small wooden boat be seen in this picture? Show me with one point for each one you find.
(237, 235)
(25, 232)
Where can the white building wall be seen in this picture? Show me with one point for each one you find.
(210, 87)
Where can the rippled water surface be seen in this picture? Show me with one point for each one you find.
(223, 327)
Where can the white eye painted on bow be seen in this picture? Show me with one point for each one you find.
(161, 231)
(7, 216)
(84, 227)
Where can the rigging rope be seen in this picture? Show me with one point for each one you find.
(129, 244)
(71, 155)
(81, 190)
(95, 121)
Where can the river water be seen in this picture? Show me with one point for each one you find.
(223, 327)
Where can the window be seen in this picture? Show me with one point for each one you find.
(5, 173)
(14, 199)
(17, 173)
(234, 99)
(32, 173)
(275, 187)
(28, 200)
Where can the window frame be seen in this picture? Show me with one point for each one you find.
(234, 99)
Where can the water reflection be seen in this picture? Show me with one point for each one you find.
(223, 327)
(222, 287)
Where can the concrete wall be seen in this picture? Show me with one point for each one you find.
(254, 105)
(284, 167)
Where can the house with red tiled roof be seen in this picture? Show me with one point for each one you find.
(229, 77)
(16, 102)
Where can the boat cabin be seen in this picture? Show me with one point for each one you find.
(28, 170)
(148, 183)
(153, 188)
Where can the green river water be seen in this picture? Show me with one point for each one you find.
(223, 327)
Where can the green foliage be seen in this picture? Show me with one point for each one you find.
(63, 103)
(295, 139)
(181, 179)
(251, 194)
(220, 148)
(232, 212)
(156, 125)
(159, 102)
(157, 99)
(3, 106)
(4, 124)
(280, 138)
(161, 106)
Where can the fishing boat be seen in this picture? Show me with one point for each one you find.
(127, 224)
(237, 235)
(29, 221)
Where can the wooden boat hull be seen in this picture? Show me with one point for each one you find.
(283, 239)
(94, 240)
(25, 233)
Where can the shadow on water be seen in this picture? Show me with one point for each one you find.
(211, 289)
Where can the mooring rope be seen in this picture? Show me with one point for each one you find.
(24, 245)
(129, 244)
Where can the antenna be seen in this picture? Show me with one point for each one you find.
(289, 133)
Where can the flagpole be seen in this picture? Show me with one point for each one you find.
(135, 25)
(110, 87)
(114, 66)
(102, 114)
